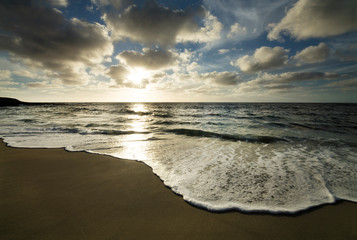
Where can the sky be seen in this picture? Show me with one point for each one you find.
(179, 50)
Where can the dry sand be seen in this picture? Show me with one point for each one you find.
(54, 194)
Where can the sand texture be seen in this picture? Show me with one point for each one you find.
(54, 194)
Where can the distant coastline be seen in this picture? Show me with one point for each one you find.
(4, 101)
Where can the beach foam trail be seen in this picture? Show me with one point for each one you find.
(251, 157)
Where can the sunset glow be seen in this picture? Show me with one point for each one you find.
(203, 50)
(138, 75)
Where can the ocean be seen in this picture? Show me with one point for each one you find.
(271, 157)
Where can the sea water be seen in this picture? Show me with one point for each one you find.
(276, 157)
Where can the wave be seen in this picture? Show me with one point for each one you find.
(323, 127)
(276, 125)
(117, 132)
(166, 122)
(28, 120)
(126, 111)
(229, 137)
(162, 114)
(96, 125)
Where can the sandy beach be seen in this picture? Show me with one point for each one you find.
(54, 194)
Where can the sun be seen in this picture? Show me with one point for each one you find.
(137, 75)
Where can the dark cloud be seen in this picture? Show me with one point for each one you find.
(154, 24)
(44, 38)
(302, 76)
(288, 80)
(37, 3)
(118, 74)
(38, 85)
(349, 84)
(222, 78)
(152, 59)
(264, 58)
(347, 52)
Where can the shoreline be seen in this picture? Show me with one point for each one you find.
(52, 193)
(254, 212)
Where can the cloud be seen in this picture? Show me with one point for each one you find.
(156, 67)
(38, 85)
(58, 3)
(211, 83)
(299, 76)
(318, 18)
(151, 59)
(208, 33)
(223, 51)
(24, 73)
(41, 37)
(117, 4)
(283, 81)
(121, 75)
(154, 24)
(347, 52)
(47, 3)
(118, 74)
(349, 84)
(313, 54)
(264, 58)
(5, 75)
(253, 15)
(236, 30)
(221, 78)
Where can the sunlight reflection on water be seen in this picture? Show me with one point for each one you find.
(135, 146)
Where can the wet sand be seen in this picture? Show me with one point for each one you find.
(54, 194)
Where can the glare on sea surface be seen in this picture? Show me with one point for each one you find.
(139, 107)
(135, 145)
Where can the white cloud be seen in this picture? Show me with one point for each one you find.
(90, 8)
(26, 73)
(317, 18)
(115, 3)
(153, 68)
(236, 30)
(223, 51)
(5, 75)
(253, 15)
(53, 3)
(209, 32)
(60, 3)
(125, 77)
(264, 58)
(211, 83)
(192, 66)
(313, 54)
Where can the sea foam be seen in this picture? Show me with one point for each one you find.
(249, 157)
